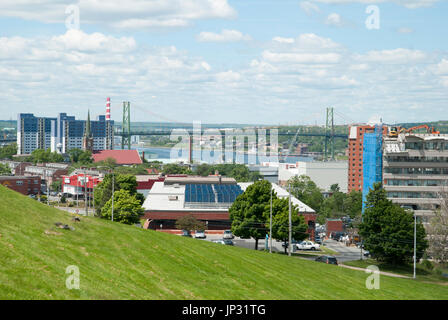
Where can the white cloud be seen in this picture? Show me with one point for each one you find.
(334, 19)
(80, 41)
(411, 4)
(301, 57)
(224, 36)
(309, 7)
(283, 40)
(228, 76)
(135, 14)
(442, 67)
(395, 56)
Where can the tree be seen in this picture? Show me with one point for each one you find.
(247, 213)
(4, 170)
(204, 170)
(280, 221)
(438, 231)
(173, 168)
(42, 156)
(127, 208)
(189, 223)
(8, 151)
(387, 230)
(56, 185)
(74, 154)
(304, 189)
(353, 204)
(103, 191)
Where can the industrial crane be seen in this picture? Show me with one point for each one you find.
(394, 131)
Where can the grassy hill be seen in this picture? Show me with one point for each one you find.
(124, 262)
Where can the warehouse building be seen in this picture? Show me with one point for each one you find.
(323, 173)
(206, 198)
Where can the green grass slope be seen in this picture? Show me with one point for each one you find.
(124, 262)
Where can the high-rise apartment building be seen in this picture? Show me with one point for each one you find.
(61, 134)
(415, 171)
(355, 155)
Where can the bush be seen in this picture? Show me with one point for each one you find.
(427, 265)
(71, 205)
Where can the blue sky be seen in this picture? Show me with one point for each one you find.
(275, 62)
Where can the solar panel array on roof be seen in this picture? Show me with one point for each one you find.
(199, 193)
(227, 193)
(206, 193)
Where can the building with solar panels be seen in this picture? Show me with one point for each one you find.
(206, 198)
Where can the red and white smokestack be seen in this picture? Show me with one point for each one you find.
(108, 109)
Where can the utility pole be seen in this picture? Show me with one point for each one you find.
(85, 193)
(290, 222)
(415, 243)
(113, 178)
(270, 226)
(48, 188)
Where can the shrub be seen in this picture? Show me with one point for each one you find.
(427, 264)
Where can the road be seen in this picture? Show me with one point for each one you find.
(345, 253)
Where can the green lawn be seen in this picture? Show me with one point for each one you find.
(117, 261)
(422, 274)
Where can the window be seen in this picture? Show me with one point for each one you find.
(19, 182)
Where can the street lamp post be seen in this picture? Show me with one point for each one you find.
(270, 225)
(415, 243)
(290, 222)
(85, 193)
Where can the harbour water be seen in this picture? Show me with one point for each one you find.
(167, 155)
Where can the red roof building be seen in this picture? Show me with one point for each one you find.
(74, 184)
(121, 157)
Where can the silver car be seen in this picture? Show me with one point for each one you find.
(228, 235)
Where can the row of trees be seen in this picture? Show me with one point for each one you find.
(239, 172)
(42, 156)
(337, 205)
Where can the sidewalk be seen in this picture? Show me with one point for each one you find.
(381, 272)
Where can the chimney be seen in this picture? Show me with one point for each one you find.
(108, 109)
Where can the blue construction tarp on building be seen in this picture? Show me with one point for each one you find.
(372, 161)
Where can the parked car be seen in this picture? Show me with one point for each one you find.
(285, 244)
(199, 234)
(337, 235)
(318, 239)
(228, 234)
(307, 245)
(186, 233)
(227, 242)
(327, 260)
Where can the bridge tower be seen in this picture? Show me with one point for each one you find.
(329, 133)
(126, 126)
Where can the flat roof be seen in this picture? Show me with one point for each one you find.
(18, 177)
(158, 198)
(199, 179)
